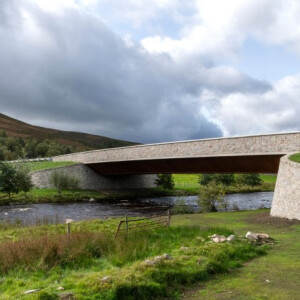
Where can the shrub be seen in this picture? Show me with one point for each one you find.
(181, 208)
(249, 179)
(224, 179)
(165, 180)
(210, 196)
(63, 181)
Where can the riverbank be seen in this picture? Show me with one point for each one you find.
(103, 268)
(52, 196)
(91, 264)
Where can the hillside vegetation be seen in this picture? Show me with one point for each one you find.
(22, 140)
(295, 157)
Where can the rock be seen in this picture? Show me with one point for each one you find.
(184, 248)
(167, 256)
(149, 263)
(218, 238)
(158, 258)
(31, 291)
(92, 200)
(268, 281)
(230, 238)
(263, 236)
(60, 288)
(257, 236)
(251, 236)
(67, 296)
(200, 238)
(106, 279)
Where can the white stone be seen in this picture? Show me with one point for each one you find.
(263, 236)
(184, 248)
(106, 279)
(92, 200)
(251, 236)
(60, 288)
(218, 238)
(167, 256)
(149, 262)
(31, 291)
(230, 238)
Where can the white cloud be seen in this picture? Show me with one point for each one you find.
(273, 111)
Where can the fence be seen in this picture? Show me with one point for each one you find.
(144, 224)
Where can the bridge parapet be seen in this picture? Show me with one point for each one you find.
(233, 146)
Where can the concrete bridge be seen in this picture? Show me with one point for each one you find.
(131, 167)
(248, 154)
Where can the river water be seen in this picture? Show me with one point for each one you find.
(57, 213)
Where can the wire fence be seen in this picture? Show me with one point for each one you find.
(144, 224)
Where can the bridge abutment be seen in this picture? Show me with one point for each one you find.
(286, 200)
(90, 180)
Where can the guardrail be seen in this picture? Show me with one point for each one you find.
(30, 160)
(144, 224)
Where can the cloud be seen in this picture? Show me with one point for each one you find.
(63, 66)
(276, 110)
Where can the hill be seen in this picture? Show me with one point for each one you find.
(81, 141)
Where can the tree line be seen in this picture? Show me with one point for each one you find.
(13, 148)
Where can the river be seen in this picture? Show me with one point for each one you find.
(56, 213)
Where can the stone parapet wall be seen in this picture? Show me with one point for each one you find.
(286, 200)
(260, 144)
(92, 181)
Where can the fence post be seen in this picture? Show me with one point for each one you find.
(68, 222)
(169, 218)
(126, 221)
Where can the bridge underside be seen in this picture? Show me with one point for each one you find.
(268, 163)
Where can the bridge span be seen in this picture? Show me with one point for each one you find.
(135, 167)
(246, 154)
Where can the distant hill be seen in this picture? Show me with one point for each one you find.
(81, 141)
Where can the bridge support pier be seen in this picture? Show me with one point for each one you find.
(90, 180)
(286, 200)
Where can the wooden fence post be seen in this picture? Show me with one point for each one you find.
(126, 222)
(169, 218)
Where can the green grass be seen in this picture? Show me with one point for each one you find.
(204, 271)
(44, 258)
(43, 165)
(295, 157)
(188, 183)
(281, 267)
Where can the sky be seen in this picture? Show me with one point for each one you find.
(152, 70)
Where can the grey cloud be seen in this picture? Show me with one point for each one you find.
(72, 72)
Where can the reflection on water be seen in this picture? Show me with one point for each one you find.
(57, 213)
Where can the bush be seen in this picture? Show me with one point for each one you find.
(165, 180)
(224, 179)
(181, 208)
(63, 181)
(211, 196)
(249, 179)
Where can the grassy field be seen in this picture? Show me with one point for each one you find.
(295, 157)
(52, 196)
(189, 183)
(44, 258)
(275, 276)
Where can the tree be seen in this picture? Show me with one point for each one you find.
(224, 179)
(165, 180)
(210, 196)
(8, 179)
(205, 179)
(63, 181)
(23, 179)
(250, 179)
